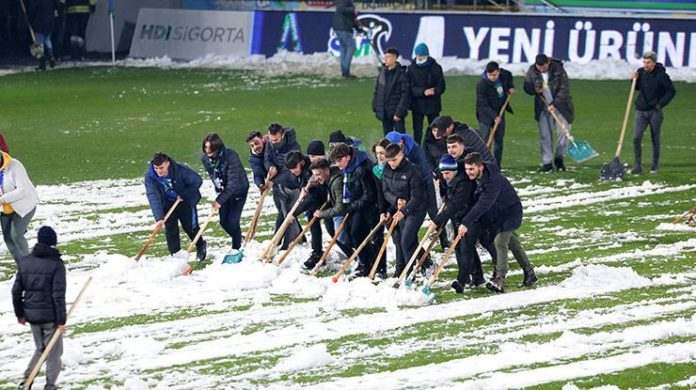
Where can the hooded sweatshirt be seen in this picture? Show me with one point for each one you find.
(17, 192)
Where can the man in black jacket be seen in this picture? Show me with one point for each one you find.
(44, 13)
(548, 82)
(38, 297)
(459, 198)
(491, 92)
(655, 92)
(391, 96)
(289, 187)
(281, 140)
(231, 184)
(343, 24)
(444, 127)
(405, 201)
(359, 192)
(165, 182)
(257, 147)
(499, 209)
(427, 86)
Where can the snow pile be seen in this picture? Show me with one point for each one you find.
(598, 277)
(304, 358)
(361, 293)
(676, 227)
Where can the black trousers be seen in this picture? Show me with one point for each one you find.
(405, 239)
(388, 124)
(358, 229)
(418, 124)
(230, 214)
(188, 217)
(468, 260)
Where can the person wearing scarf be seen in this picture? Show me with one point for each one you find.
(18, 199)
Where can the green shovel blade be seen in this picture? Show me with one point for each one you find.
(581, 151)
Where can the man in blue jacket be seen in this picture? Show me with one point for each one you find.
(499, 209)
(38, 297)
(281, 140)
(231, 184)
(165, 182)
(257, 147)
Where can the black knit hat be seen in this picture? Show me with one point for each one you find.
(337, 137)
(47, 236)
(316, 148)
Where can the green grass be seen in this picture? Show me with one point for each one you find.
(103, 123)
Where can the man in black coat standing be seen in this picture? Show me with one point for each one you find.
(391, 96)
(655, 92)
(427, 86)
(491, 92)
(499, 209)
(231, 184)
(38, 297)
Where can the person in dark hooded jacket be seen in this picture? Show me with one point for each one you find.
(230, 181)
(499, 210)
(165, 182)
(427, 84)
(391, 96)
(257, 147)
(360, 195)
(444, 127)
(655, 92)
(43, 14)
(281, 140)
(38, 297)
(548, 82)
(493, 89)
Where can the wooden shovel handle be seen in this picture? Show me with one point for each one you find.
(201, 230)
(413, 257)
(421, 261)
(495, 126)
(297, 239)
(444, 261)
(331, 244)
(284, 226)
(355, 254)
(156, 230)
(625, 118)
(382, 249)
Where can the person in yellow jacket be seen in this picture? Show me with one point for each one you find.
(18, 200)
(77, 14)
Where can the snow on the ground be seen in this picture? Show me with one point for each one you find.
(325, 65)
(677, 227)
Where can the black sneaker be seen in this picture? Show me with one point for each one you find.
(458, 288)
(545, 168)
(497, 284)
(202, 250)
(312, 261)
(382, 275)
(530, 278)
(637, 170)
(558, 162)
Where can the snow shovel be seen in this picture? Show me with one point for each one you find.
(36, 49)
(615, 169)
(236, 256)
(321, 261)
(429, 283)
(268, 252)
(156, 230)
(355, 254)
(54, 339)
(298, 239)
(412, 276)
(197, 237)
(579, 151)
(382, 249)
(398, 282)
(489, 144)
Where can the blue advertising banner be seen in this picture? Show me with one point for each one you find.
(505, 38)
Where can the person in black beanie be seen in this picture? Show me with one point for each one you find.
(38, 297)
(316, 150)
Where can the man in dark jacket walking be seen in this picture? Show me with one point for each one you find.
(427, 86)
(405, 201)
(499, 209)
(44, 13)
(548, 82)
(359, 193)
(491, 92)
(343, 24)
(257, 147)
(391, 96)
(38, 297)
(655, 92)
(165, 182)
(230, 181)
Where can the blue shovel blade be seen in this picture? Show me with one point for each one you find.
(581, 151)
(426, 290)
(233, 258)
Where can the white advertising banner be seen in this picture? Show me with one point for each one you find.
(187, 35)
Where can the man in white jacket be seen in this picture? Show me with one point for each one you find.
(18, 201)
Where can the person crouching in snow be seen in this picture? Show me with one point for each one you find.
(165, 182)
(38, 297)
(231, 184)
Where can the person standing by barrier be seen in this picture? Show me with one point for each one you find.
(655, 92)
(18, 199)
(343, 24)
(427, 84)
(38, 297)
(548, 82)
(44, 15)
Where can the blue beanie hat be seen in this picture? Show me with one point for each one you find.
(421, 50)
(393, 137)
(448, 163)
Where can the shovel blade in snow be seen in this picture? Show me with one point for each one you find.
(580, 151)
(612, 171)
(233, 258)
(426, 290)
